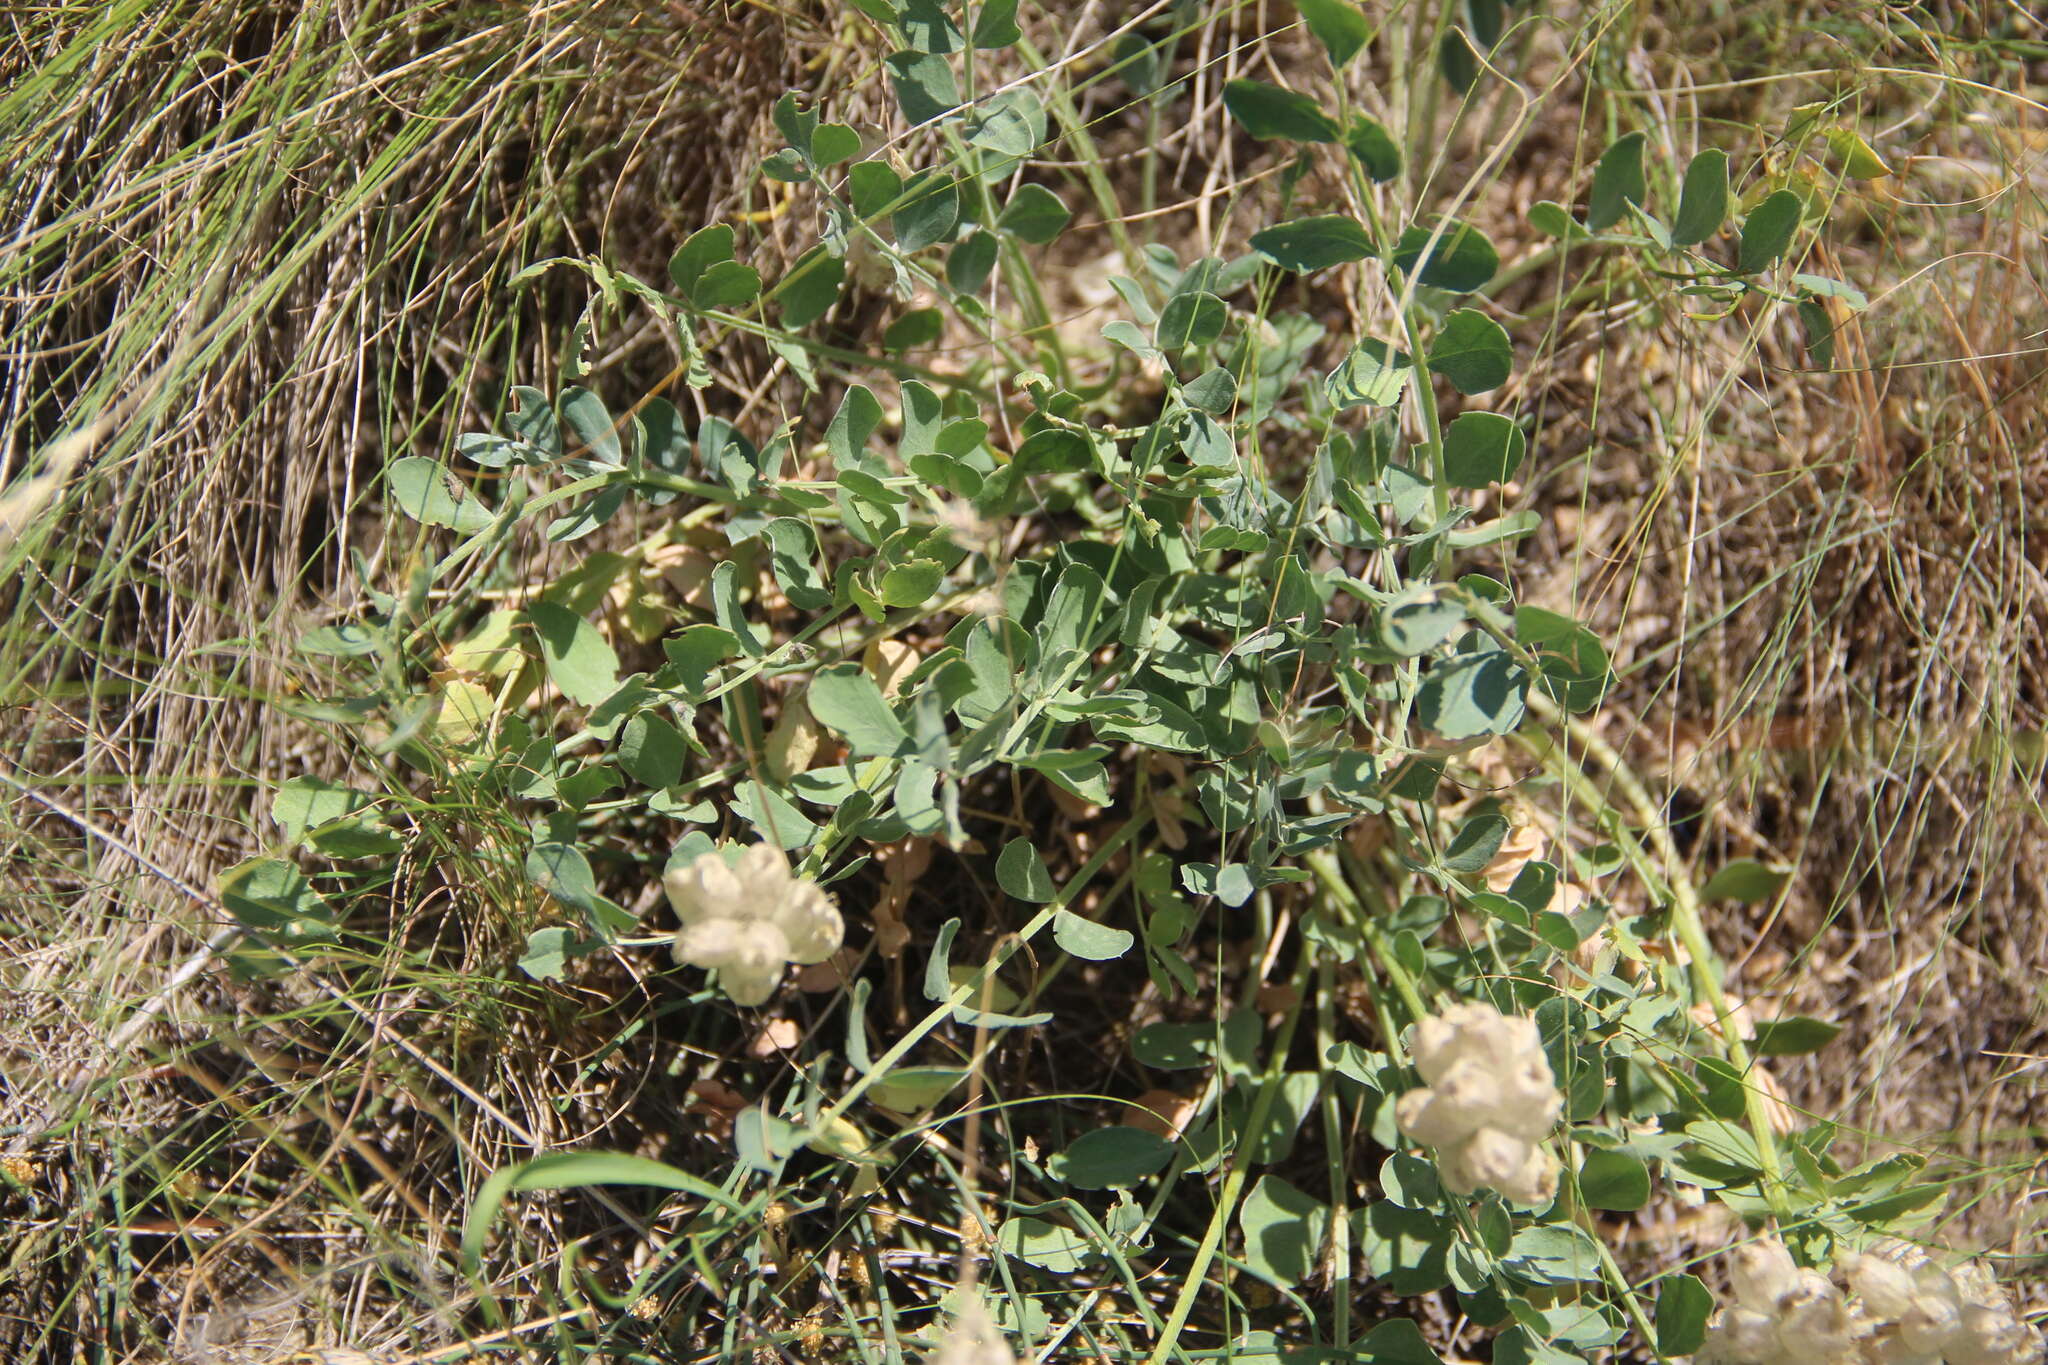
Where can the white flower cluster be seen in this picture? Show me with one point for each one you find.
(1489, 1104)
(974, 1338)
(1782, 1315)
(748, 920)
(1918, 1314)
(1905, 1310)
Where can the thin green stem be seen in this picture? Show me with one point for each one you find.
(1333, 1145)
(1686, 921)
(1234, 1182)
(969, 989)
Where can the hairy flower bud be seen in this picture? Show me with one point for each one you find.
(1885, 1287)
(1749, 1334)
(1906, 1310)
(1813, 1321)
(1472, 1030)
(1488, 1157)
(1536, 1182)
(1934, 1314)
(1993, 1336)
(1762, 1273)
(1430, 1119)
(1527, 1101)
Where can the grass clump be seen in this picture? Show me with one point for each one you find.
(1188, 534)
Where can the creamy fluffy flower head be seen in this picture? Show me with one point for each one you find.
(1489, 1103)
(1489, 1157)
(1885, 1287)
(1996, 1335)
(1471, 1030)
(1906, 1309)
(1430, 1119)
(748, 920)
(1913, 1311)
(1783, 1315)
(1762, 1273)
(1813, 1320)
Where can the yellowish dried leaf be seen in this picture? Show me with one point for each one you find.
(794, 742)
(776, 1036)
(688, 572)
(491, 650)
(1162, 1113)
(465, 711)
(889, 662)
(1523, 845)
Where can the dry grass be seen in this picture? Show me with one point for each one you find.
(266, 248)
(1818, 581)
(1825, 600)
(269, 249)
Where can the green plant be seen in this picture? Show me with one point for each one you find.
(1258, 615)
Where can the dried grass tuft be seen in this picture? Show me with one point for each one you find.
(270, 248)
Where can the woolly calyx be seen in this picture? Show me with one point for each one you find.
(748, 920)
(1886, 1287)
(1742, 1334)
(1488, 1157)
(1471, 1030)
(1813, 1321)
(1906, 1309)
(1523, 1171)
(1489, 1102)
(1914, 1311)
(1431, 1119)
(1762, 1273)
(1782, 1315)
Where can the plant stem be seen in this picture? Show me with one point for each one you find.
(1685, 908)
(1233, 1183)
(968, 990)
